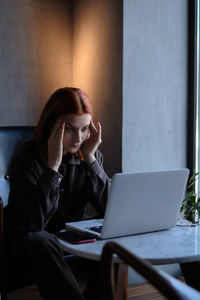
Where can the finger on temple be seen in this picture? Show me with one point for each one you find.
(58, 127)
(61, 128)
(99, 129)
(92, 127)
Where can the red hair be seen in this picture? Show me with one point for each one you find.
(63, 101)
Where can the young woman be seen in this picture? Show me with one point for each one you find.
(53, 176)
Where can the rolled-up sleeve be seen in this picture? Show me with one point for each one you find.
(99, 183)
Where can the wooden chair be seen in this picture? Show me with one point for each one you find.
(114, 287)
(10, 138)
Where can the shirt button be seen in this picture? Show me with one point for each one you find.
(62, 190)
(59, 179)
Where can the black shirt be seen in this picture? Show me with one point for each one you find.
(42, 199)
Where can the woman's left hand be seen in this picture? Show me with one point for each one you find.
(92, 142)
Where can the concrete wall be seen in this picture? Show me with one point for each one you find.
(97, 68)
(154, 90)
(154, 84)
(35, 56)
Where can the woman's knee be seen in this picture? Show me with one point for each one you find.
(42, 241)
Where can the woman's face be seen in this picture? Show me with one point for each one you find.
(76, 131)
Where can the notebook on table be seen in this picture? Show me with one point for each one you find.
(138, 203)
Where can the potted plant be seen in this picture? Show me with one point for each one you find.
(191, 203)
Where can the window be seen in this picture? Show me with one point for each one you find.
(194, 91)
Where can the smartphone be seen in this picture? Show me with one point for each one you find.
(75, 237)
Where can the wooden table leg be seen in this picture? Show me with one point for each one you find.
(121, 291)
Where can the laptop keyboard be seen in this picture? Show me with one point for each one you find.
(95, 228)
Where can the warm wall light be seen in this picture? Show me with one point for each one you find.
(93, 55)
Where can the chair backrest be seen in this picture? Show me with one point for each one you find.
(10, 138)
(168, 286)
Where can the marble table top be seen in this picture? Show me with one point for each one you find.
(175, 245)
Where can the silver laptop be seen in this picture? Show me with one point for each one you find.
(138, 203)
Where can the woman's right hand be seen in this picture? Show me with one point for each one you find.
(55, 145)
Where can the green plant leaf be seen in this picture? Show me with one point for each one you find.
(191, 202)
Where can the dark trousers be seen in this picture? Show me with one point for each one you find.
(41, 259)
